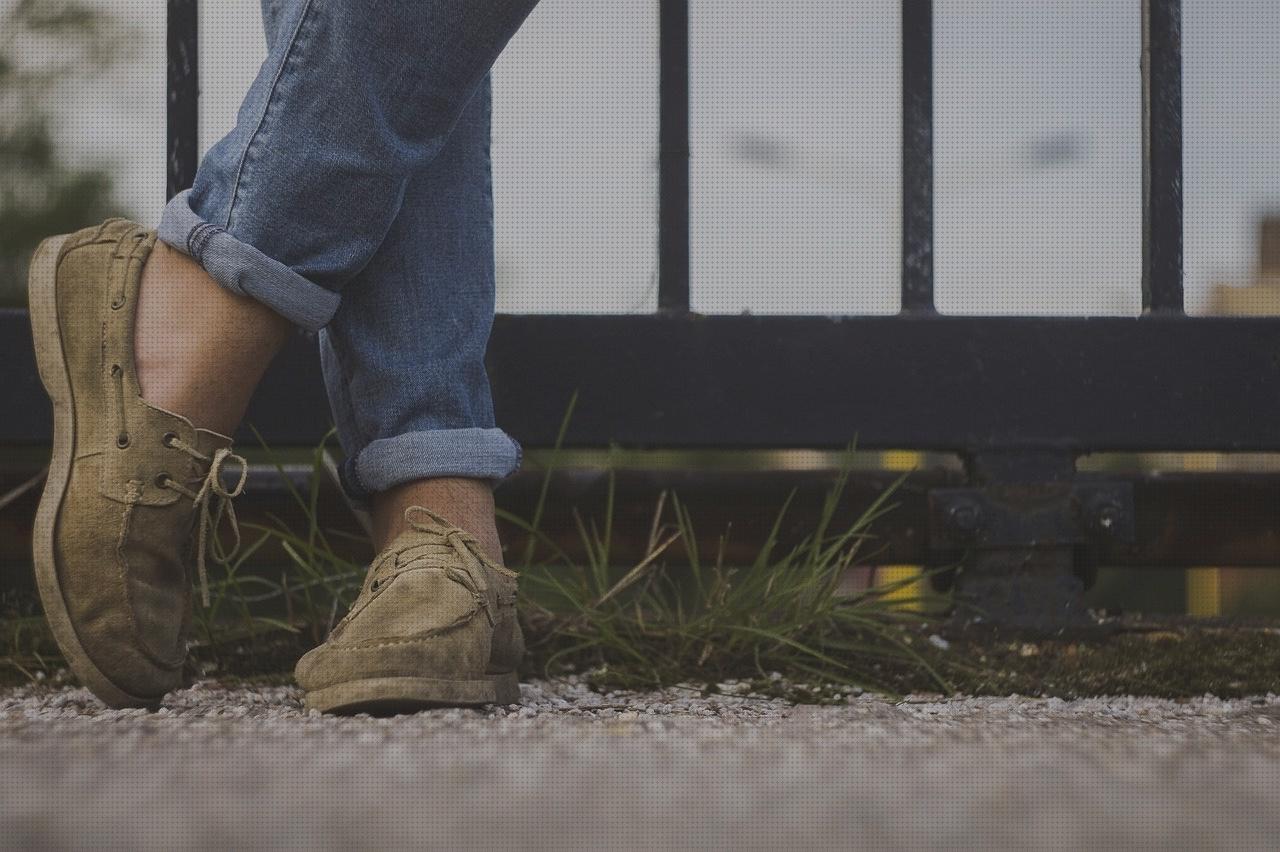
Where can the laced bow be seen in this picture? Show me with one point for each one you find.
(455, 537)
(449, 543)
(210, 488)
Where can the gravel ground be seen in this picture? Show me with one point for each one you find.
(574, 769)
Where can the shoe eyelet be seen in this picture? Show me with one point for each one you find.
(161, 480)
(122, 440)
(116, 370)
(169, 438)
(117, 303)
(373, 587)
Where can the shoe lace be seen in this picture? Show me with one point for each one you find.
(447, 544)
(211, 489)
(454, 538)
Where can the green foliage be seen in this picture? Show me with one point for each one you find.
(665, 621)
(677, 616)
(662, 621)
(695, 619)
(316, 586)
(45, 45)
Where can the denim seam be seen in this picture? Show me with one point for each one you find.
(199, 238)
(266, 107)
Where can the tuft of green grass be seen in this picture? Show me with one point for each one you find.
(256, 623)
(781, 619)
(665, 621)
(676, 616)
(781, 623)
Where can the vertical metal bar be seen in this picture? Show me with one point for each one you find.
(183, 96)
(673, 148)
(1162, 156)
(917, 156)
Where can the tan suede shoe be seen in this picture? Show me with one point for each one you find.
(128, 482)
(435, 625)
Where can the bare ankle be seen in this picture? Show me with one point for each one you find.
(464, 502)
(200, 349)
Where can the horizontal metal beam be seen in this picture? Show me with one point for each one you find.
(921, 382)
(1180, 520)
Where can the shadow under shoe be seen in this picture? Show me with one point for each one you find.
(434, 625)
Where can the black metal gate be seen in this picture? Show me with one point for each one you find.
(1019, 398)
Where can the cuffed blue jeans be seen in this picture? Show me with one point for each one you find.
(354, 197)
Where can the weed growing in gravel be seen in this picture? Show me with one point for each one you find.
(781, 618)
(778, 621)
(661, 621)
(241, 630)
(27, 651)
(675, 617)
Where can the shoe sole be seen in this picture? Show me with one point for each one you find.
(46, 334)
(391, 695)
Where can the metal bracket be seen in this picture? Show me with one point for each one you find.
(1027, 532)
(1020, 515)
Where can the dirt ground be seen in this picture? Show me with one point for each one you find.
(221, 768)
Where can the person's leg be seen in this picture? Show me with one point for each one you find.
(410, 383)
(353, 101)
(435, 622)
(404, 356)
(174, 370)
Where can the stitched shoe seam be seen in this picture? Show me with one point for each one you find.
(119, 328)
(413, 640)
(122, 563)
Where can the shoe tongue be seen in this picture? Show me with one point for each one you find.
(422, 520)
(409, 547)
(427, 527)
(412, 541)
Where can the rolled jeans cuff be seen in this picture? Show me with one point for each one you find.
(476, 453)
(245, 270)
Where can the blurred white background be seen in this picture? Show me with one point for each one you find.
(795, 149)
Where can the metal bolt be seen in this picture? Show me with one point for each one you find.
(965, 517)
(1107, 515)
